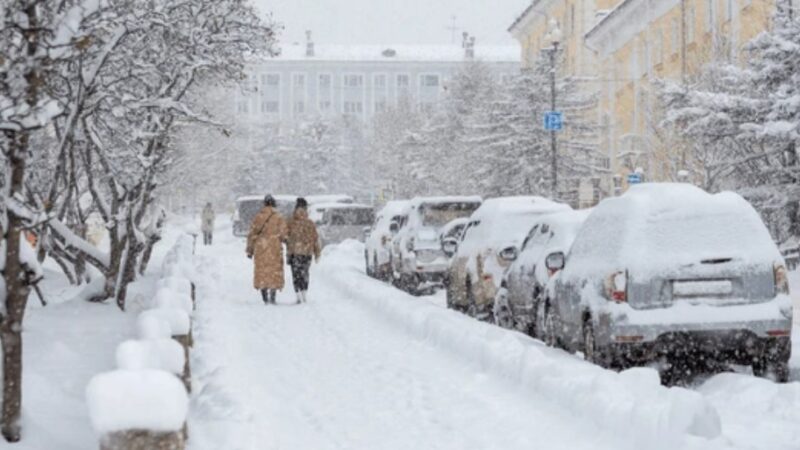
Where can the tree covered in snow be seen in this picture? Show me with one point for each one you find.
(486, 137)
(91, 94)
(743, 122)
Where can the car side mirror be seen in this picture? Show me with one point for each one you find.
(450, 246)
(394, 227)
(555, 261)
(509, 254)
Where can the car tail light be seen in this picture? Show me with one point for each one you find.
(781, 279)
(488, 277)
(778, 333)
(617, 287)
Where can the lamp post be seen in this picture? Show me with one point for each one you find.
(554, 36)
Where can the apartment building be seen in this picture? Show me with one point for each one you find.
(359, 81)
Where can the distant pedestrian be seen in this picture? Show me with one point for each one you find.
(302, 245)
(265, 242)
(207, 226)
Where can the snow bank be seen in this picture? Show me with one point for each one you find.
(177, 322)
(164, 354)
(168, 298)
(178, 261)
(137, 400)
(632, 403)
(176, 283)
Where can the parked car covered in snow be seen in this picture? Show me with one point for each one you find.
(419, 260)
(490, 243)
(340, 221)
(451, 234)
(670, 271)
(248, 207)
(378, 246)
(519, 300)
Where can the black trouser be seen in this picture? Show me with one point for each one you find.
(300, 265)
(207, 237)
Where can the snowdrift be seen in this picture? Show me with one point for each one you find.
(632, 403)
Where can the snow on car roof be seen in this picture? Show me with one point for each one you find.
(521, 205)
(335, 198)
(280, 198)
(394, 207)
(658, 225)
(335, 205)
(416, 201)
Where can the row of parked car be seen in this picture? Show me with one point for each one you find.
(663, 273)
(337, 217)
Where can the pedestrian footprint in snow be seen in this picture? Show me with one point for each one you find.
(207, 225)
(268, 234)
(303, 244)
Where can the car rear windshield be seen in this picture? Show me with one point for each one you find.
(440, 214)
(249, 208)
(710, 235)
(344, 217)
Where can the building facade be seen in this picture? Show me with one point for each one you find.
(620, 48)
(359, 81)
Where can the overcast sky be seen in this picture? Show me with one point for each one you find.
(394, 21)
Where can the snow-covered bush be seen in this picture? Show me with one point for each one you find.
(161, 354)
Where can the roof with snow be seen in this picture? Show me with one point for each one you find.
(404, 53)
(444, 199)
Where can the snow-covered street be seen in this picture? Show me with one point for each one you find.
(330, 374)
(364, 366)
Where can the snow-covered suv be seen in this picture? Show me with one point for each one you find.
(489, 244)
(419, 260)
(670, 271)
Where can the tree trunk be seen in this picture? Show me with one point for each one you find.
(16, 299)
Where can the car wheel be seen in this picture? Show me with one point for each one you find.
(376, 271)
(549, 331)
(370, 271)
(502, 315)
(779, 370)
(589, 343)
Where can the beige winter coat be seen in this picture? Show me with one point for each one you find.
(268, 232)
(207, 219)
(303, 236)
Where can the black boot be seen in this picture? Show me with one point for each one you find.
(272, 294)
(265, 296)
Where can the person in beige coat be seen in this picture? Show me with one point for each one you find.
(268, 234)
(302, 245)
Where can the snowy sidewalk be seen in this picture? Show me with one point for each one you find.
(328, 375)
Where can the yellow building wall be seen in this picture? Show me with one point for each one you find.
(632, 104)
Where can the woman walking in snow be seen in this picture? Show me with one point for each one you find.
(303, 244)
(207, 225)
(265, 241)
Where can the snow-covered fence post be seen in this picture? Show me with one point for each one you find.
(138, 410)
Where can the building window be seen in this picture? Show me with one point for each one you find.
(353, 80)
(691, 23)
(353, 107)
(269, 107)
(658, 48)
(271, 79)
(325, 80)
(675, 36)
(380, 81)
(429, 81)
(710, 13)
(299, 107)
(402, 81)
(299, 80)
(324, 106)
(243, 107)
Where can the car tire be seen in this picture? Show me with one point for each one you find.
(471, 309)
(764, 368)
(590, 353)
(370, 271)
(503, 317)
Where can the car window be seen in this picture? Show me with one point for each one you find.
(545, 228)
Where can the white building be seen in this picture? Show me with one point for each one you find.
(329, 80)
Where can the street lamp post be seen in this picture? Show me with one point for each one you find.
(555, 38)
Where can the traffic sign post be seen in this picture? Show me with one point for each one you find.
(553, 121)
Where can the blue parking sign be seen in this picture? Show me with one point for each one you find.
(553, 121)
(634, 178)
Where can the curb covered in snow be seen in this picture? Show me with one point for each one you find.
(632, 403)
